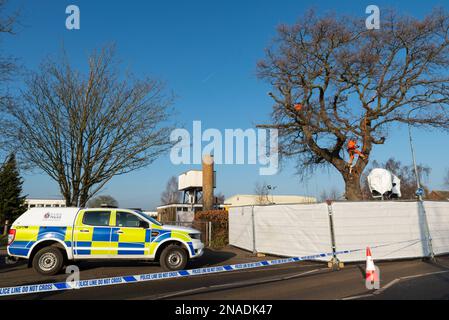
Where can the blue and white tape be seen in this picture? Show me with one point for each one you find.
(61, 286)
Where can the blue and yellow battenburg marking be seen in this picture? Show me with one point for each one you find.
(26, 237)
(98, 240)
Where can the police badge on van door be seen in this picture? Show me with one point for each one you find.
(50, 216)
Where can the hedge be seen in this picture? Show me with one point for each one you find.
(219, 219)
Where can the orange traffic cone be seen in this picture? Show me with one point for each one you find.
(370, 267)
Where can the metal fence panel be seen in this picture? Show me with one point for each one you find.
(392, 229)
(286, 230)
(240, 228)
(438, 218)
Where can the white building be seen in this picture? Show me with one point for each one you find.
(45, 203)
(253, 199)
(152, 214)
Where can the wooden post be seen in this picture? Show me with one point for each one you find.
(5, 231)
(208, 183)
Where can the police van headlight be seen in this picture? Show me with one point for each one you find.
(196, 236)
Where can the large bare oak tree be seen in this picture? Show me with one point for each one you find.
(354, 82)
(84, 129)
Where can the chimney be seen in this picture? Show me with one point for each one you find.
(208, 182)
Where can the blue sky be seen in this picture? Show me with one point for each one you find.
(206, 51)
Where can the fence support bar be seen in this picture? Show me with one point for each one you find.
(335, 262)
(422, 211)
(209, 225)
(253, 219)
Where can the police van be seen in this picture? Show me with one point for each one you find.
(49, 238)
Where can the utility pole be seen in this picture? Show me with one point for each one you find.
(418, 182)
(419, 190)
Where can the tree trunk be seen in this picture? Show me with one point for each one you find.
(353, 188)
(83, 199)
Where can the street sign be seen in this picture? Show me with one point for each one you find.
(420, 192)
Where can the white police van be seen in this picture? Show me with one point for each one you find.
(49, 237)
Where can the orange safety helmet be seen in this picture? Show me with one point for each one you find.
(352, 144)
(298, 107)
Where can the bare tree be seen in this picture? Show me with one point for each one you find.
(220, 198)
(262, 192)
(82, 130)
(406, 173)
(8, 21)
(8, 64)
(332, 194)
(101, 201)
(171, 193)
(334, 80)
(446, 179)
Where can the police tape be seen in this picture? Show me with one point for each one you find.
(82, 284)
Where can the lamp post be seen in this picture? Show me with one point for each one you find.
(418, 182)
(419, 191)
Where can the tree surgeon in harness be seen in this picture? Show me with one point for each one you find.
(353, 150)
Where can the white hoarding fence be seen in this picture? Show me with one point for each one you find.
(438, 219)
(241, 228)
(393, 230)
(281, 230)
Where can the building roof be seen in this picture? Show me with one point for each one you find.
(253, 199)
(179, 205)
(45, 199)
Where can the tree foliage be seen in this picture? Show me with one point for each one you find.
(101, 201)
(219, 220)
(354, 82)
(84, 129)
(12, 203)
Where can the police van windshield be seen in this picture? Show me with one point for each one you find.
(140, 213)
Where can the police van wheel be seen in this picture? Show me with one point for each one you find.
(48, 261)
(173, 258)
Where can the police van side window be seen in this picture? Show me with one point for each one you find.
(127, 220)
(96, 218)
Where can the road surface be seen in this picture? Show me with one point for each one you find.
(409, 279)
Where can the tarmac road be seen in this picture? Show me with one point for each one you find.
(434, 286)
(420, 280)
